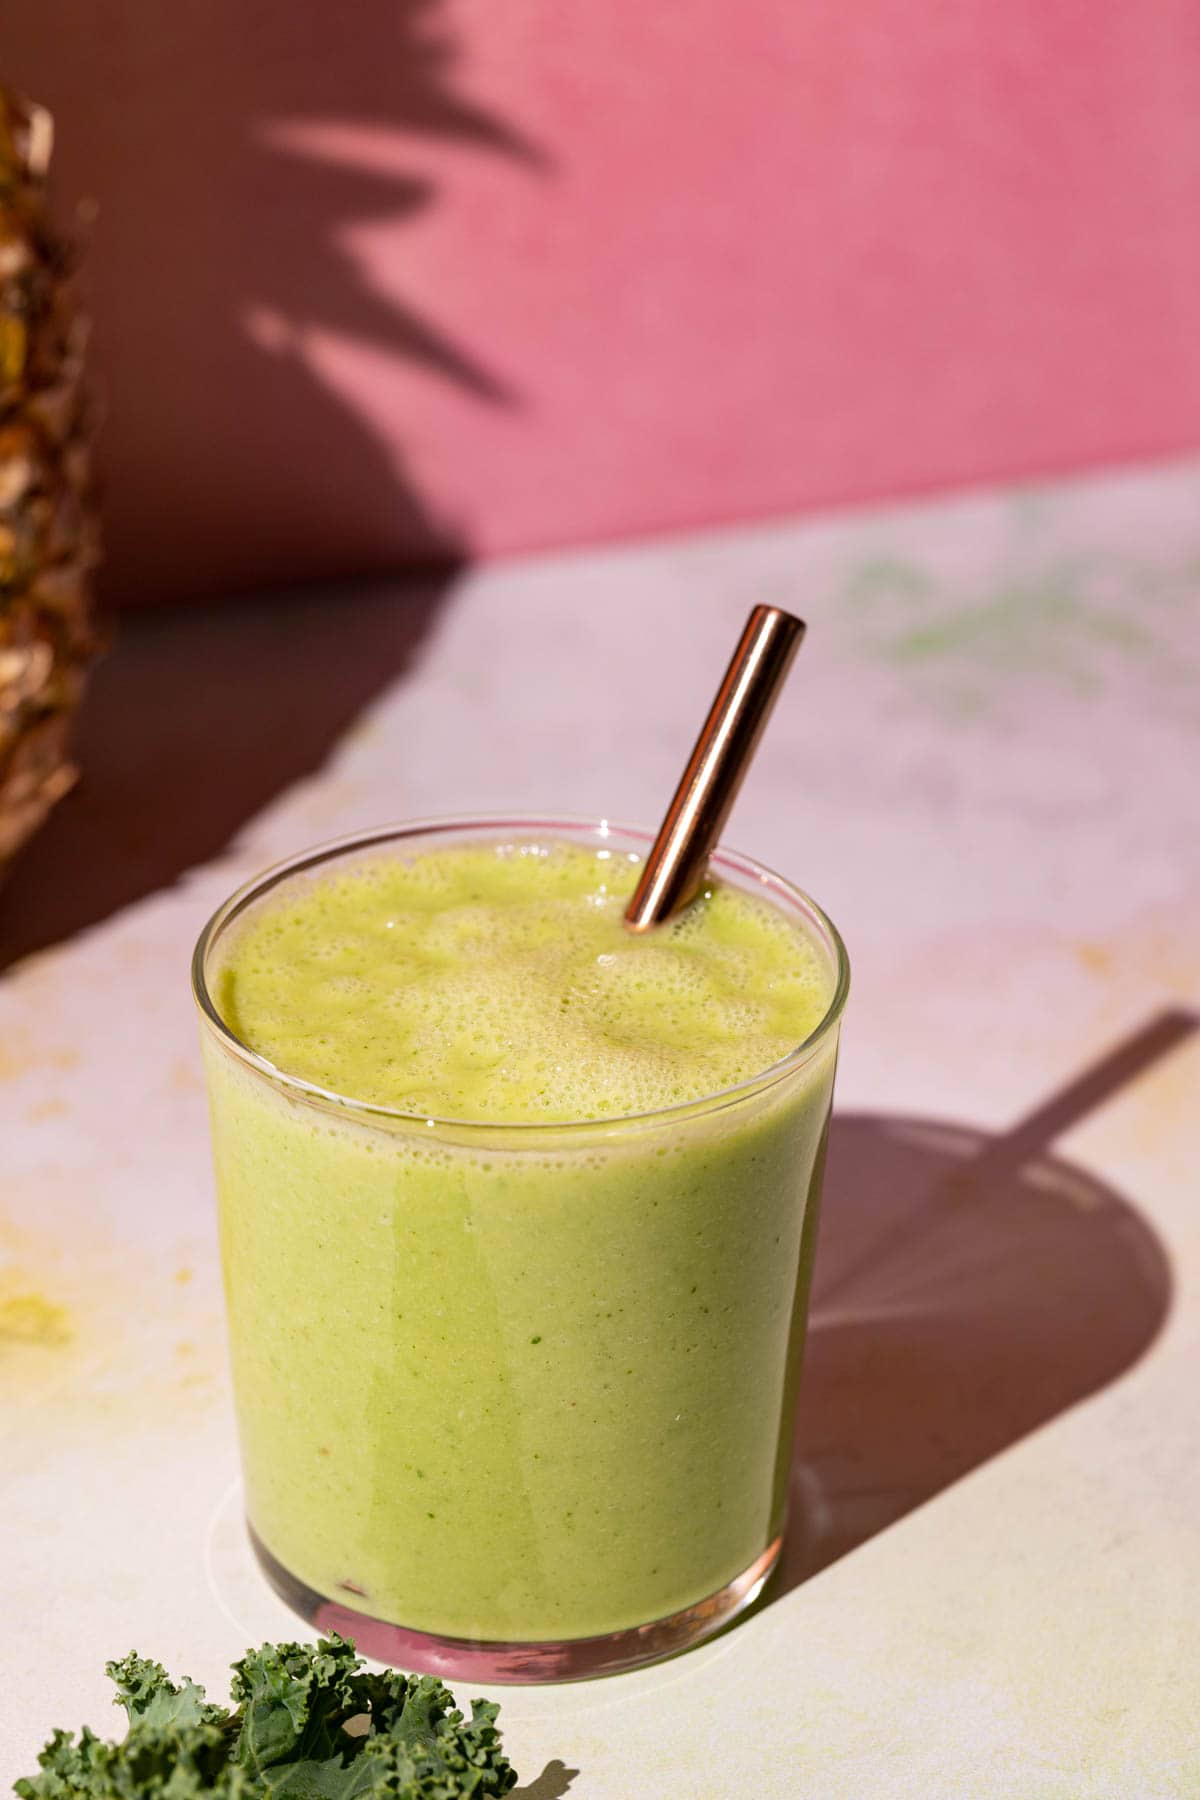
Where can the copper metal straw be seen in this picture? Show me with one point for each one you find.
(728, 739)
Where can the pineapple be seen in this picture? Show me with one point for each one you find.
(47, 529)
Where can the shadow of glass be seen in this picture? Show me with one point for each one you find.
(195, 721)
(968, 1289)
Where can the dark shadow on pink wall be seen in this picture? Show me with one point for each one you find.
(222, 264)
(969, 1288)
(223, 274)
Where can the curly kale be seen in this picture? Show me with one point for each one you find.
(307, 1722)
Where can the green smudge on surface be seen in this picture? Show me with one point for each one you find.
(1040, 615)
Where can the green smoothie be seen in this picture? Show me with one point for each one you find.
(502, 1374)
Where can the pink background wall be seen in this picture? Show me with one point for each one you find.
(612, 266)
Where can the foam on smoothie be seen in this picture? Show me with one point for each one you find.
(498, 983)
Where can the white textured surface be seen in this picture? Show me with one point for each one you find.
(985, 768)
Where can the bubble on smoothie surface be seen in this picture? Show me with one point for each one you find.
(498, 982)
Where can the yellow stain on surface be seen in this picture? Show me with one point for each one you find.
(27, 1317)
(1095, 957)
(54, 1108)
(21, 1055)
(95, 1340)
(185, 1077)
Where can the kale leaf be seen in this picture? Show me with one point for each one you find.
(307, 1722)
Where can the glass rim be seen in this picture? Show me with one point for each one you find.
(372, 1112)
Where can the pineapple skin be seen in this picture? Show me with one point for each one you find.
(48, 535)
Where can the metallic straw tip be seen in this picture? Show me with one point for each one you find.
(709, 785)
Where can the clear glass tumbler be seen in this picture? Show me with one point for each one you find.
(515, 1401)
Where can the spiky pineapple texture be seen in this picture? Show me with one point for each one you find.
(48, 544)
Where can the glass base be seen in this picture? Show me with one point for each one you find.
(568, 1659)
